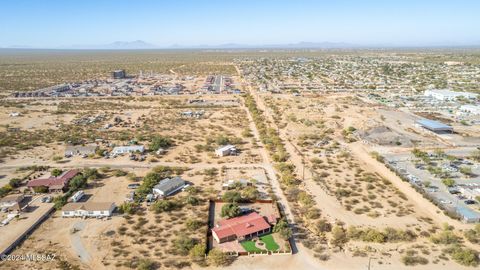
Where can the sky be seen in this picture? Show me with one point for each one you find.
(62, 23)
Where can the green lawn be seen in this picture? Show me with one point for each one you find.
(268, 240)
(249, 246)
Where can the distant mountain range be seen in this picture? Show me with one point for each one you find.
(117, 45)
(300, 45)
(142, 45)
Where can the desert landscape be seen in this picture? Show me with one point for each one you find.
(239, 135)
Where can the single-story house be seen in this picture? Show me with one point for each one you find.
(226, 150)
(72, 150)
(54, 184)
(168, 186)
(119, 150)
(88, 209)
(11, 202)
(240, 228)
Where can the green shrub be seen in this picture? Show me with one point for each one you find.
(163, 206)
(283, 229)
(56, 172)
(146, 264)
(445, 237)
(197, 252)
(193, 224)
(232, 196)
(127, 208)
(339, 237)
(15, 182)
(473, 235)
(160, 142)
(230, 210)
(463, 256)
(184, 244)
(411, 260)
(217, 258)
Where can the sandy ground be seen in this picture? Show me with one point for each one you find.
(91, 246)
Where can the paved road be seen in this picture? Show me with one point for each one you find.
(218, 84)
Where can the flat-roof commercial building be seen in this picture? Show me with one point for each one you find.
(119, 74)
(470, 109)
(447, 95)
(468, 215)
(434, 126)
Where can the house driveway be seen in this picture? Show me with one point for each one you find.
(77, 244)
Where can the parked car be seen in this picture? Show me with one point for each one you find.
(470, 202)
(133, 186)
(445, 202)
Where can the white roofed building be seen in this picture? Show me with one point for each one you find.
(470, 109)
(447, 95)
(128, 149)
(226, 150)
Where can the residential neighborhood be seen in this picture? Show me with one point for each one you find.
(240, 135)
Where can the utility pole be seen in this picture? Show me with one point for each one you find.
(303, 170)
(369, 262)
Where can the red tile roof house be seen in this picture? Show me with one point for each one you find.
(54, 184)
(240, 228)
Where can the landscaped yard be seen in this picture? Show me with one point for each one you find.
(268, 243)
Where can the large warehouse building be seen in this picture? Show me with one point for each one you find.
(434, 126)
